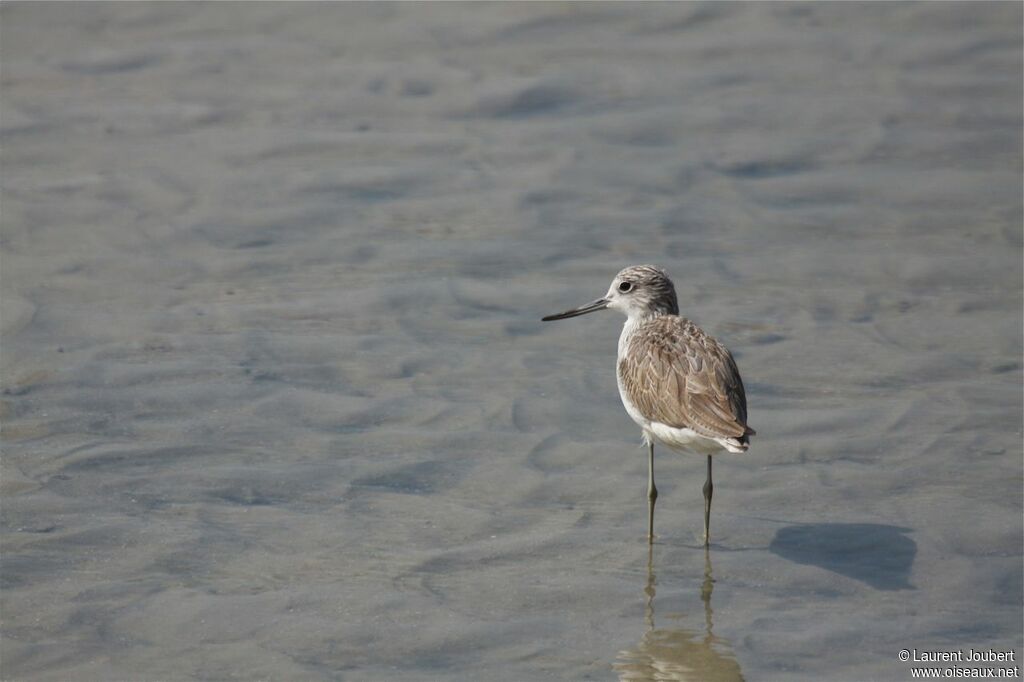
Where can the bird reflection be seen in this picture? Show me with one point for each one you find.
(678, 653)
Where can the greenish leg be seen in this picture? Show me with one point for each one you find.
(709, 488)
(652, 493)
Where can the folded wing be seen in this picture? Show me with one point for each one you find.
(676, 374)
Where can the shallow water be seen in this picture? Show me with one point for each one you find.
(277, 403)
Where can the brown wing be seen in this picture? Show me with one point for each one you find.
(677, 375)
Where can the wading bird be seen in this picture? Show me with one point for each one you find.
(680, 385)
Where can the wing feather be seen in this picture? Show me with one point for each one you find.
(676, 374)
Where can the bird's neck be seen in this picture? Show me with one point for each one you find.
(638, 317)
(633, 322)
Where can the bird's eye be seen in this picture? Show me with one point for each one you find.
(625, 287)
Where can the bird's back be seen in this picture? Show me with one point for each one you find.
(671, 373)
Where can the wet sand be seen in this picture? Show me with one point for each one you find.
(276, 399)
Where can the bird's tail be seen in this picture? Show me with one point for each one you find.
(742, 443)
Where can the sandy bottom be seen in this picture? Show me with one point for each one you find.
(277, 403)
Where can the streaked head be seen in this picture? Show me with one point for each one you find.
(637, 291)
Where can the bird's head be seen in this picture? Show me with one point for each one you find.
(637, 291)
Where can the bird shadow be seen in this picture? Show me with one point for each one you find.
(878, 555)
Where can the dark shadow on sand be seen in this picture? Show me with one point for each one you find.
(878, 555)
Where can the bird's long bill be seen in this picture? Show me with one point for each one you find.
(599, 304)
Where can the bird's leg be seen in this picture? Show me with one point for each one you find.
(709, 488)
(652, 493)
